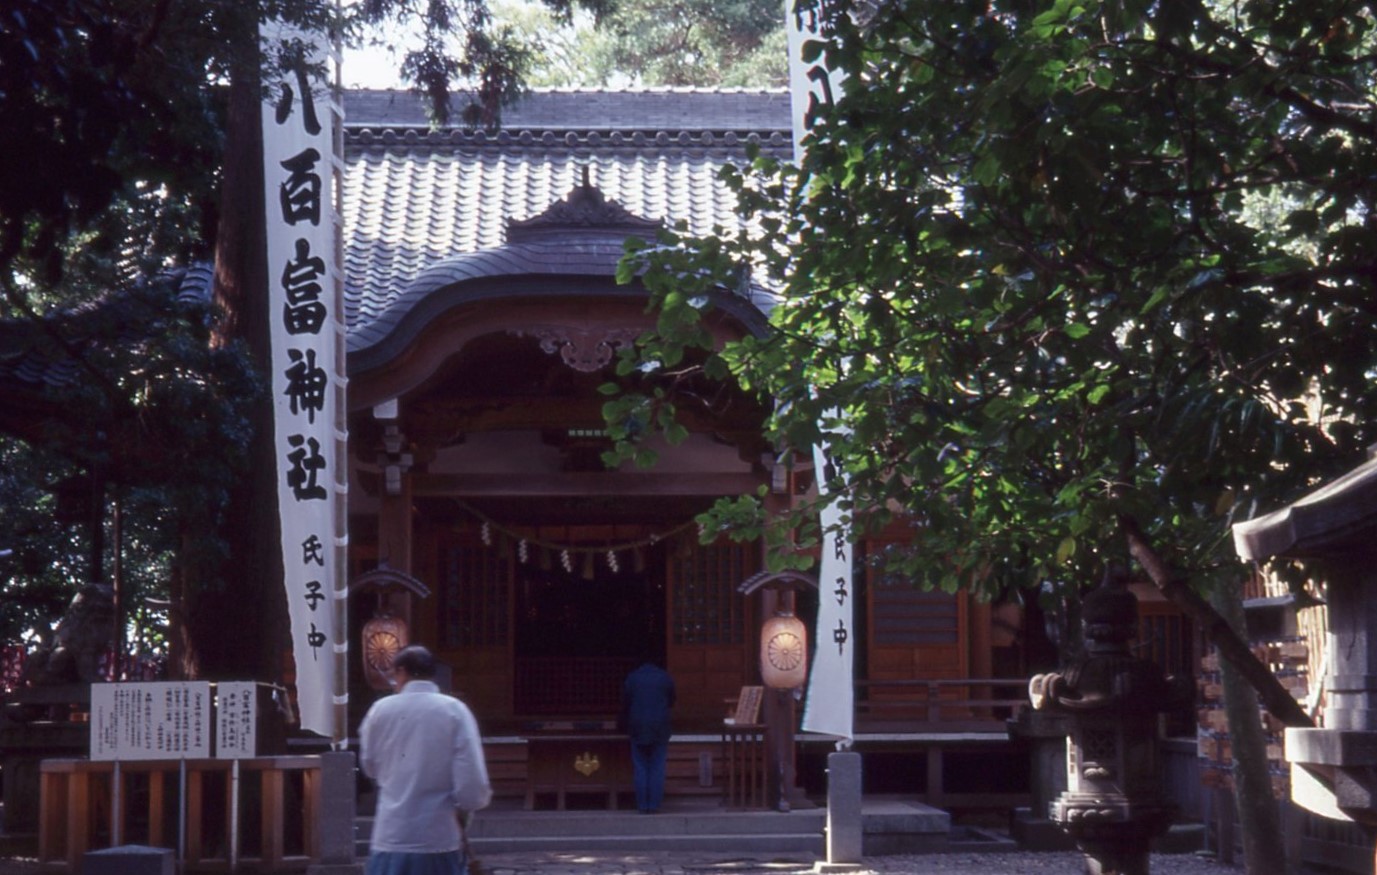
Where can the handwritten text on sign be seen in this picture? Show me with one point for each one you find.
(150, 721)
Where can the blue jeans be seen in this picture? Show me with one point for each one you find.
(648, 765)
(400, 863)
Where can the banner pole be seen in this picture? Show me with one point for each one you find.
(340, 734)
(234, 815)
(116, 808)
(181, 813)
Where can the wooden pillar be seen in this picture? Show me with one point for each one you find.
(981, 656)
(780, 716)
(394, 527)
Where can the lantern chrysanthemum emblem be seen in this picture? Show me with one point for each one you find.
(383, 639)
(784, 652)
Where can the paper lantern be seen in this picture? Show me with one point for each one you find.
(383, 639)
(783, 652)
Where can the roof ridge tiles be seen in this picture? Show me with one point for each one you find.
(627, 89)
(586, 137)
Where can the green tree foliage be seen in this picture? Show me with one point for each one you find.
(659, 43)
(1023, 260)
(42, 555)
(118, 120)
(104, 96)
(699, 42)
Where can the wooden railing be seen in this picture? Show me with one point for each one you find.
(939, 705)
(259, 816)
(947, 721)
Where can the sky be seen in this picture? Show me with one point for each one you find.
(371, 67)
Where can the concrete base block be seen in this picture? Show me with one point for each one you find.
(129, 860)
(901, 827)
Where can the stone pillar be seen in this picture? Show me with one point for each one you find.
(335, 817)
(845, 827)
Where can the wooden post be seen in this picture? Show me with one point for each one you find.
(189, 820)
(157, 801)
(78, 817)
(271, 801)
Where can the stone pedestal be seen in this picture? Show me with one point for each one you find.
(1045, 733)
(1336, 774)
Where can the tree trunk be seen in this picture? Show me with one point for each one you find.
(237, 621)
(1275, 698)
(1264, 851)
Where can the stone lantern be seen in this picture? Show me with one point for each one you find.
(1113, 806)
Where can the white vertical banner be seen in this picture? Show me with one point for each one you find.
(829, 707)
(307, 382)
(812, 85)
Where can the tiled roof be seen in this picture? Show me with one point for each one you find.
(417, 200)
(425, 209)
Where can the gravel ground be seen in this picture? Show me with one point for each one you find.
(1012, 863)
(1004, 863)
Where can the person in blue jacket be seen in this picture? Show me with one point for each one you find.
(647, 697)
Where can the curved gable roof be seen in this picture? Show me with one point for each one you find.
(426, 209)
(578, 241)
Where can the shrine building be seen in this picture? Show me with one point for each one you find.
(483, 315)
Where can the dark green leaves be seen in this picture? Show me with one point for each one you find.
(1032, 267)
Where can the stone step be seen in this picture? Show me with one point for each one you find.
(890, 826)
(736, 843)
(632, 823)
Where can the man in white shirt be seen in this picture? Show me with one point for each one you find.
(423, 749)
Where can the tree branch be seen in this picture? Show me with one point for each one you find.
(1275, 698)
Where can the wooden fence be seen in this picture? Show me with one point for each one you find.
(257, 814)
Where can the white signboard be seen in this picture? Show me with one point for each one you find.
(307, 378)
(236, 716)
(150, 721)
